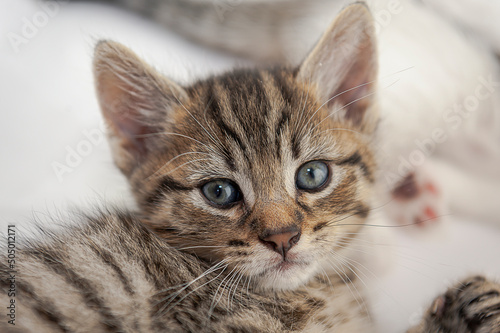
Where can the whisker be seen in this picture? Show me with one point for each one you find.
(354, 246)
(200, 246)
(221, 145)
(218, 144)
(170, 288)
(230, 284)
(340, 219)
(342, 261)
(214, 301)
(165, 310)
(327, 277)
(345, 91)
(342, 277)
(147, 135)
(176, 157)
(303, 113)
(175, 134)
(355, 262)
(248, 285)
(349, 246)
(335, 96)
(342, 108)
(234, 287)
(395, 226)
(208, 271)
(342, 129)
(359, 86)
(180, 166)
(359, 300)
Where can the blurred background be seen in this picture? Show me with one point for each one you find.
(54, 155)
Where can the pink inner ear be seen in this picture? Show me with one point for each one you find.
(355, 92)
(131, 133)
(119, 105)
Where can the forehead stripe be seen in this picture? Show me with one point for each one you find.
(167, 184)
(356, 159)
(215, 112)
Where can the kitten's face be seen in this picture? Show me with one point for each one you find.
(254, 169)
(254, 155)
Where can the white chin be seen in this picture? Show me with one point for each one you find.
(287, 278)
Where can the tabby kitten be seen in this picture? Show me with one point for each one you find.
(251, 186)
(427, 70)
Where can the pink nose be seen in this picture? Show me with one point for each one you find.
(281, 241)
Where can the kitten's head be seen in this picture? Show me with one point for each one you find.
(266, 171)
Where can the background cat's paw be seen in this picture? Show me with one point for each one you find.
(470, 306)
(417, 199)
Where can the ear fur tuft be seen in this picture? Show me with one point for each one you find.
(343, 67)
(135, 101)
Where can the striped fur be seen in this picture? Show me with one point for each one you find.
(112, 274)
(181, 264)
(471, 306)
(255, 127)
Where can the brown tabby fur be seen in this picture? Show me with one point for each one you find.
(181, 264)
(254, 128)
(471, 306)
(111, 274)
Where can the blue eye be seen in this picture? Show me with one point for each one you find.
(221, 193)
(312, 175)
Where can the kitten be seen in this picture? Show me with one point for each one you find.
(469, 306)
(424, 109)
(251, 186)
(113, 274)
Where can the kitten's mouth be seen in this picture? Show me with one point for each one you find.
(285, 274)
(285, 266)
(278, 273)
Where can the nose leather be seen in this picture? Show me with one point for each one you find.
(281, 241)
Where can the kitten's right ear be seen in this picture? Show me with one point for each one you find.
(135, 101)
(343, 68)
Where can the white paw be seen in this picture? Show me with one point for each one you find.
(417, 200)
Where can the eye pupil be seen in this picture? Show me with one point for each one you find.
(312, 175)
(218, 191)
(310, 172)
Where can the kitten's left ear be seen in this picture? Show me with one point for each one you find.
(343, 68)
(136, 101)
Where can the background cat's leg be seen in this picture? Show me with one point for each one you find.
(472, 305)
(439, 189)
(418, 198)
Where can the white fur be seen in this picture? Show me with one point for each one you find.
(479, 17)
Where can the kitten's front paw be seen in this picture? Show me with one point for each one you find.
(417, 200)
(472, 306)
